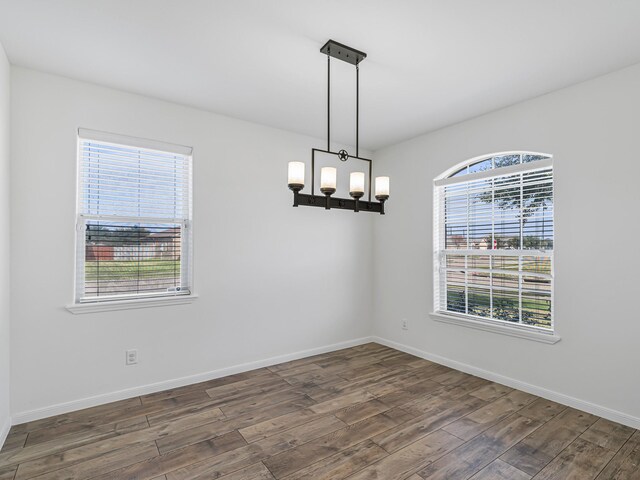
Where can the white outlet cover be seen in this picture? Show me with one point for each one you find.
(132, 357)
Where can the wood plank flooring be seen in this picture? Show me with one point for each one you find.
(368, 412)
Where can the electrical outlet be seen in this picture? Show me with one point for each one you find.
(132, 357)
(404, 324)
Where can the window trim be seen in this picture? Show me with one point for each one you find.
(112, 305)
(144, 300)
(135, 142)
(488, 324)
(459, 166)
(493, 173)
(498, 326)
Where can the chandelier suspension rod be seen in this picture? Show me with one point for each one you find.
(329, 106)
(358, 111)
(328, 102)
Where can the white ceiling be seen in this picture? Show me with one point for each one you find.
(430, 62)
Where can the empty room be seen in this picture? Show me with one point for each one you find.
(319, 239)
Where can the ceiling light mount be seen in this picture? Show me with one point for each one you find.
(328, 175)
(342, 52)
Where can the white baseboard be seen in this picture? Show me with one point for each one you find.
(583, 405)
(60, 408)
(101, 399)
(4, 431)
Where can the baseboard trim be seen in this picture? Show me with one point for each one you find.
(4, 431)
(66, 407)
(583, 405)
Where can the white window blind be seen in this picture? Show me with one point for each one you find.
(134, 218)
(493, 236)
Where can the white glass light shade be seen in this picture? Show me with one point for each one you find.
(328, 177)
(382, 186)
(296, 173)
(356, 182)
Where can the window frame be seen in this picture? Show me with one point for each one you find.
(452, 176)
(140, 300)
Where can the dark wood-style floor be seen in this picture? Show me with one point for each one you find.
(367, 412)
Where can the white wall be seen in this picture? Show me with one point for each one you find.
(592, 130)
(265, 275)
(271, 279)
(5, 117)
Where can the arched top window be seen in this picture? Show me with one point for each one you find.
(494, 161)
(493, 240)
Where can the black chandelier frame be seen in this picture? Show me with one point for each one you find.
(350, 55)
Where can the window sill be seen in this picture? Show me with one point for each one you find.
(95, 307)
(512, 331)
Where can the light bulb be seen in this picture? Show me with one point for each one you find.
(382, 188)
(296, 175)
(356, 184)
(328, 180)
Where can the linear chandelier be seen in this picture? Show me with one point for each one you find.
(328, 175)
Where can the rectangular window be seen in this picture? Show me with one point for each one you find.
(134, 218)
(493, 235)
